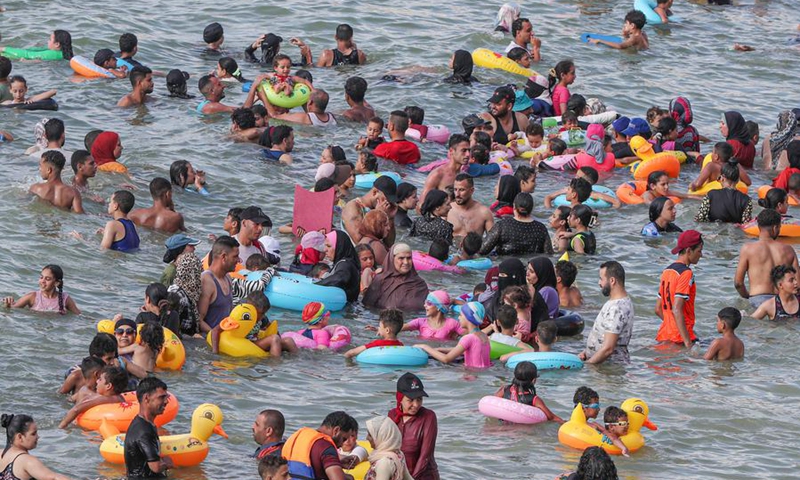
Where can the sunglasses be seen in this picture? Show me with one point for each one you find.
(617, 424)
(593, 405)
(124, 331)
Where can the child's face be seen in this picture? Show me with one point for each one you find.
(384, 331)
(18, 91)
(47, 281)
(88, 168)
(672, 135)
(571, 123)
(374, 130)
(720, 325)
(662, 186)
(570, 194)
(281, 474)
(620, 427)
(555, 219)
(570, 76)
(627, 27)
(535, 141)
(525, 61)
(593, 409)
(349, 442)
(110, 63)
(221, 72)
(367, 259)
(103, 386)
(284, 67)
(109, 358)
(261, 121)
(573, 221)
(788, 283)
(529, 185)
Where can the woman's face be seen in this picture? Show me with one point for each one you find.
(409, 406)
(530, 275)
(452, 61)
(189, 174)
(402, 262)
(125, 335)
(723, 129)
(29, 439)
(661, 187)
(330, 250)
(47, 281)
(221, 73)
(573, 221)
(118, 149)
(326, 156)
(52, 44)
(442, 210)
(555, 219)
(351, 180)
(669, 211)
(430, 309)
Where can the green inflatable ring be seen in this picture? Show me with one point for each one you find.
(298, 97)
(500, 349)
(32, 54)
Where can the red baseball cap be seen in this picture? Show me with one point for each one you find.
(688, 239)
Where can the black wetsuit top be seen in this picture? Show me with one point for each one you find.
(340, 58)
(142, 446)
(500, 136)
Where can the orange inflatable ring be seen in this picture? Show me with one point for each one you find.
(87, 68)
(631, 193)
(665, 161)
(233, 274)
(113, 167)
(120, 415)
(762, 192)
(790, 227)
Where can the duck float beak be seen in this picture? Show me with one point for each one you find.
(219, 431)
(647, 423)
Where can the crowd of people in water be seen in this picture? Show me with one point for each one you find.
(518, 304)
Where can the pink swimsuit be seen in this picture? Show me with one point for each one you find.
(445, 332)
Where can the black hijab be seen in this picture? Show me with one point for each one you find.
(462, 68)
(545, 271)
(507, 192)
(345, 249)
(346, 271)
(737, 129)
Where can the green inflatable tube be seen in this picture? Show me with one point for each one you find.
(32, 54)
(500, 349)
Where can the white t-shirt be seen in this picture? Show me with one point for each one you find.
(514, 45)
(504, 339)
(245, 252)
(615, 317)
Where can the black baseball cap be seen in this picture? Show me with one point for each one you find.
(386, 185)
(256, 215)
(411, 386)
(212, 32)
(503, 93)
(177, 77)
(471, 121)
(271, 40)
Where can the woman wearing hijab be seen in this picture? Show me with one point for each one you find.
(733, 128)
(398, 285)
(774, 147)
(688, 138)
(418, 427)
(38, 135)
(519, 234)
(506, 16)
(186, 286)
(386, 462)
(346, 271)
(432, 223)
(106, 149)
(541, 278)
(512, 272)
(461, 63)
(507, 189)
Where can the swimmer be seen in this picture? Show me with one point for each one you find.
(590, 175)
(262, 117)
(663, 9)
(360, 110)
(316, 115)
(502, 330)
(469, 247)
(84, 167)
(53, 190)
(458, 156)
(18, 87)
(176, 84)
(416, 118)
(501, 115)
(523, 390)
(677, 291)
(524, 38)
(280, 80)
(559, 223)
(273, 344)
(578, 191)
(729, 347)
(213, 91)
(534, 137)
(399, 149)
(228, 72)
(527, 178)
(474, 345)
(183, 175)
(786, 304)
(243, 126)
(50, 297)
(162, 215)
(723, 151)
(390, 323)
(213, 37)
(128, 47)
(407, 200)
(146, 350)
(142, 82)
(726, 204)
(569, 295)
(632, 33)
(279, 143)
(5, 71)
(112, 382)
(105, 58)
(120, 233)
(616, 425)
(658, 186)
(382, 196)
(558, 80)
(366, 163)
(346, 51)
(273, 467)
(90, 369)
(333, 154)
(520, 56)
(435, 325)
(580, 239)
(366, 257)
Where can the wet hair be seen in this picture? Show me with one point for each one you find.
(179, 172)
(563, 213)
(116, 376)
(439, 249)
(567, 272)
(524, 375)
(654, 177)
(377, 120)
(14, 424)
(305, 75)
(482, 138)
(256, 262)
(5, 67)
(65, 40)
(569, 116)
(138, 73)
(355, 88)
(534, 129)
(392, 318)
(318, 269)
(244, 118)
(666, 125)
(78, 158)
(614, 270)
(636, 18)
(595, 463)
(547, 332)
(653, 113)
(506, 316)
(159, 187)
(279, 133)
(340, 419)
(591, 174)
(405, 190)
(416, 115)
(518, 295)
(656, 207)
(478, 289)
(585, 214)
(731, 317)
(752, 128)
(370, 161)
(451, 193)
(613, 414)
(557, 146)
(204, 83)
(258, 299)
(364, 247)
(724, 150)
(53, 129)
(320, 99)
(773, 198)
(399, 119)
(576, 104)
(517, 54)
(524, 173)
(480, 154)
(517, 24)
(91, 364)
(768, 217)
(125, 200)
(794, 182)
(163, 299)
(582, 188)
(259, 110)
(433, 200)
(234, 214)
(454, 139)
(229, 65)
(523, 203)
(279, 58)
(147, 386)
(55, 158)
(730, 170)
(152, 334)
(128, 42)
(584, 395)
(102, 344)
(58, 275)
(471, 243)
(324, 184)
(344, 32)
(89, 139)
(779, 271)
(18, 79)
(269, 465)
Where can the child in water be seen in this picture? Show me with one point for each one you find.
(723, 151)
(308, 253)
(435, 325)
(616, 425)
(590, 175)
(228, 72)
(390, 323)
(568, 294)
(366, 163)
(729, 347)
(367, 259)
(120, 233)
(112, 382)
(632, 34)
(146, 350)
(468, 249)
(90, 371)
(273, 344)
(578, 191)
(519, 298)
(502, 329)
(19, 89)
(663, 9)
(105, 58)
(50, 297)
(581, 239)
(658, 186)
(523, 390)
(373, 138)
(474, 345)
(559, 223)
(281, 80)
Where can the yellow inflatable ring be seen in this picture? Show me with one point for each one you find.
(665, 161)
(576, 433)
(790, 227)
(360, 470)
(172, 356)
(235, 327)
(762, 192)
(483, 57)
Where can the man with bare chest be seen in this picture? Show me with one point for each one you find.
(467, 214)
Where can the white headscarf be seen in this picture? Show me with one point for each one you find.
(507, 14)
(387, 438)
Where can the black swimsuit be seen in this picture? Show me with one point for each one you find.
(8, 472)
(340, 58)
(780, 312)
(500, 136)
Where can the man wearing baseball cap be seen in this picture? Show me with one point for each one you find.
(253, 221)
(502, 116)
(382, 196)
(471, 122)
(637, 126)
(620, 147)
(677, 292)
(419, 428)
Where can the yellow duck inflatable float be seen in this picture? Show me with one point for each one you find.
(185, 450)
(715, 184)
(576, 433)
(235, 328)
(171, 357)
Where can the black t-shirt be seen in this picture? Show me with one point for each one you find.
(142, 446)
(622, 150)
